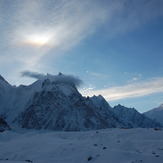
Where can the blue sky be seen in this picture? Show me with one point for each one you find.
(114, 46)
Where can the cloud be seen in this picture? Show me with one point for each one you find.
(96, 74)
(54, 78)
(32, 29)
(135, 78)
(61, 23)
(136, 89)
(34, 75)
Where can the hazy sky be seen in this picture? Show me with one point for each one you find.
(114, 46)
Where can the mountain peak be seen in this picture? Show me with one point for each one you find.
(3, 82)
(156, 114)
(119, 106)
(60, 73)
(100, 97)
(53, 102)
(100, 101)
(2, 79)
(161, 106)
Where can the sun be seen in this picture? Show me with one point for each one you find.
(38, 40)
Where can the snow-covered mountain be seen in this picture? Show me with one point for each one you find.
(124, 116)
(103, 107)
(133, 118)
(59, 106)
(156, 114)
(14, 99)
(5, 89)
(53, 102)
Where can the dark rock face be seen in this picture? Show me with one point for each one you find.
(55, 104)
(3, 125)
(102, 107)
(135, 119)
(59, 106)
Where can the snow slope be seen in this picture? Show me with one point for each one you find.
(14, 99)
(156, 114)
(5, 90)
(59, 106)
(133, 118)
(102, 146)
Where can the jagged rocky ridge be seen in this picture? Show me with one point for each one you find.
(57, 105)
(133, 118)
(156, 114)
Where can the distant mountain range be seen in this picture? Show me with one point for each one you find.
(55, 104)
(156, 114)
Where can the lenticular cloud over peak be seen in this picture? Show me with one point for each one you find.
(56, 78)
(34, 75)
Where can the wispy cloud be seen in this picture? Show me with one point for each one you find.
(96, 74)
(34, 75)
(30, 29)
(61, 78)
(64, 23)
(136, 89)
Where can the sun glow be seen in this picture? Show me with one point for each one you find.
(38, 40)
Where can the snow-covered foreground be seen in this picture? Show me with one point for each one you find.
(102, 146)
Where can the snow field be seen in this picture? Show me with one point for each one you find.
(102, 146)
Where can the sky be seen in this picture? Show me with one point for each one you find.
(114, 46)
